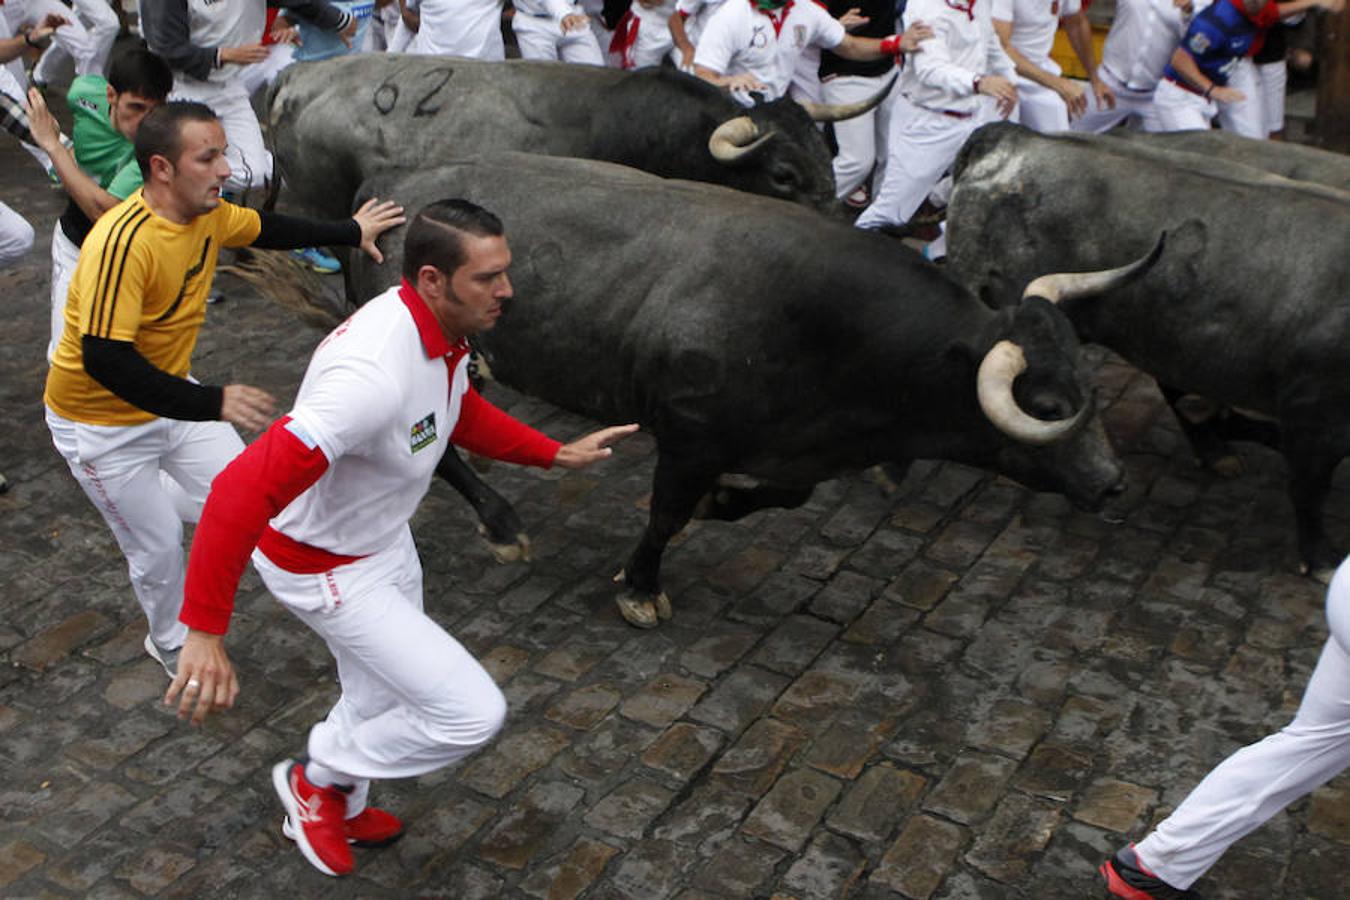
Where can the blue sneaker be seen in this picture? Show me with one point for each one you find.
(318, 260)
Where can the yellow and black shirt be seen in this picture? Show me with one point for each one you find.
(141, 279)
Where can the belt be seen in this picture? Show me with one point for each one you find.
(947, 112)
(1184, 86)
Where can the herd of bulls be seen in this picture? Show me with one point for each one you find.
(767, 345)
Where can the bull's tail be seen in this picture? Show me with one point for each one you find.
(277, 277)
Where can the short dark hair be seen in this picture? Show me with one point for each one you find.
(161, 131)
(435, 237)
(138, 70)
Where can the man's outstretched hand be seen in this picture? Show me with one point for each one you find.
(593, 447)
(375, 218)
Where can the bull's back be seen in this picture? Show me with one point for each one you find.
(1281, 158)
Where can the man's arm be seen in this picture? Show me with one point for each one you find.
(168, 33)
(1070, 93)
(281, 232)
(92, 199)
(256, 486)
(1078, 29)
(13, 47)
(864, 48)
(1187, 68)
(681, 38)
(320, 14)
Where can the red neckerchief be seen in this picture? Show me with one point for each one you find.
(434, 341)
(776, 20)
(965, 6)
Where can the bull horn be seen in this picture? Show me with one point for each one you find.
(735, 139)
(1069, 285)
(837, 112)
(1000, 367)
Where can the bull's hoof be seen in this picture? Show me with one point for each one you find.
(638, 611)
(1229, 465)
(515, 551)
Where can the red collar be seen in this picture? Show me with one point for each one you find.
(777, 17)
(434, 341)
(967, 7)
(1265, 17)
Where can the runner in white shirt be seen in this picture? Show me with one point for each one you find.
(339, 479)
(960, 81)
(754, 45)
(1046, 100)
(686, 27)
(642, 37)
(471, 28)
(553, 30)
(1138, 47)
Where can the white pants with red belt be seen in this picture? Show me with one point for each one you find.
(146, 481)
(1129, 104)
(413, 699)
(862, 139)
(921, 146)
(1259, 780)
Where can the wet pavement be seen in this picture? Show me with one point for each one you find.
(961, 690)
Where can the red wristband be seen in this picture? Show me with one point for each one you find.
(976, 83)
(890, 46)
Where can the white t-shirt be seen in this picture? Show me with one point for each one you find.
(696, 15)
(1143, 36)
(740, 39)
(378, 407)
(469, 28)
(1034, 23)
(963, 46)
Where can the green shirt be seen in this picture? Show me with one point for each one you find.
(100, 149)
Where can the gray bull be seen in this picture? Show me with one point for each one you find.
(752, 337)
(1249, 307)
(1294, 161)
(335, 123)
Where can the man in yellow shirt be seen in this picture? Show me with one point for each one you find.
(142, 437)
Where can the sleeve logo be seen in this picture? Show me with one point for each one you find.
(1199, 42)
(423, 433)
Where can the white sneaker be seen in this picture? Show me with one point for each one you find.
(166, 658)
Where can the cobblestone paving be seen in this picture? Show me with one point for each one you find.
(964, 690)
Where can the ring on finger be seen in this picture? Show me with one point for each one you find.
(193, 683)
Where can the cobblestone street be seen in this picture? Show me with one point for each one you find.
(962, 690)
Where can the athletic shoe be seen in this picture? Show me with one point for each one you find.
(166, 658)
(317, 260)
(1127, 877)
(315, 814)
(370, 827)
(858, 199)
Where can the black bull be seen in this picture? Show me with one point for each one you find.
(335, 123)
(755, 338)
(1248, 307)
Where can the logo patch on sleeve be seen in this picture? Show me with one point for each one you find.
(424, 433)
(1199, 42)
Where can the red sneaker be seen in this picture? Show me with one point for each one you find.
(315, 815)
(369, 828)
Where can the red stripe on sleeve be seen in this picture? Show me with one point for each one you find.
(258, 484)
(486, 430)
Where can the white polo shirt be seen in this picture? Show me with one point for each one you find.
(1034, 23)
(740, 39)
(1141, 41)
(381, 407)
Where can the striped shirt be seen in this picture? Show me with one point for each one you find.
(142, 279)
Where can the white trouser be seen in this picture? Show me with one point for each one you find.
(250, 163)
(922, 144)
(16, 236)
(64, 257)
(73, 38)
(1246, 117)
(101, 23)
(543, 38)
(1129, 104)
(413, 699)
(1261, 779)
(1273, 78)
(121, 469)
(862, 139)
(1180, 110)
(254, 77)
(1038, 107)
(401, 38)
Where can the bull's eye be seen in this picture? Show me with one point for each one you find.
(783, 178)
